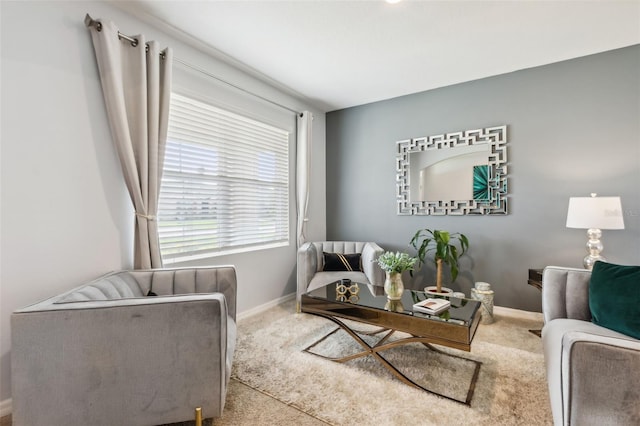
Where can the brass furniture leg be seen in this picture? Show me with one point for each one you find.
(198, 416)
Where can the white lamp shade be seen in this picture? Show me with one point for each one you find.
(595, 212)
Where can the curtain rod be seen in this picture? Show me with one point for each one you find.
(90, 22)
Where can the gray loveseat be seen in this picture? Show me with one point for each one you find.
(593, 372)
(106, 353)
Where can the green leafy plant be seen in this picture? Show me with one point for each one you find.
(444, 248)
(396, 262)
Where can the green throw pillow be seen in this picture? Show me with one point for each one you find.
(341, 262)
(614, 297)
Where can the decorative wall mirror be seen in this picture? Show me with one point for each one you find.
(453, 174)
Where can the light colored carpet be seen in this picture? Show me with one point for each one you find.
(247, 407)
(511, 387)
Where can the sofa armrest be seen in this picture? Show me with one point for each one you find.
(565, 293)
(129, 361)
(373, 272)
(592, 373)
(602, 381)
(307, 266)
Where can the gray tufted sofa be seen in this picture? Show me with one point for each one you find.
(105, 353)
(310, 264)
(593, 372)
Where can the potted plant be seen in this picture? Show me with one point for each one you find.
(394, 264)
(444, 248)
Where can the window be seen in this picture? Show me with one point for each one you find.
(225, 185)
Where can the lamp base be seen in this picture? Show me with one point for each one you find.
(594, 247)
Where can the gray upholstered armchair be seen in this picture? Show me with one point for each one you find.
(311, 274)
(593, 372)
(111, 353)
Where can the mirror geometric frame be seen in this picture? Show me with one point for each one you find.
(494, 203)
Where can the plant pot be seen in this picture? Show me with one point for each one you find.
(393, 286)
(444, 291)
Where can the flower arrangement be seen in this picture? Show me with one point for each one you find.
(396, 262)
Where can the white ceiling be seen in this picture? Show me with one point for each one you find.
(338, 54)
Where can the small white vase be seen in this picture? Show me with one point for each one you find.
(393, 286)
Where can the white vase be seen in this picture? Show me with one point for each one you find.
(484, 294)
(393, 286)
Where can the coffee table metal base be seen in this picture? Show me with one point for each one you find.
(382, 345)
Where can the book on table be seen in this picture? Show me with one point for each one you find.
(432, 306)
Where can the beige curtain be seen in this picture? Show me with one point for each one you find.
(303, 172)
(136, 82)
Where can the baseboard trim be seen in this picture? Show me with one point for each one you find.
(259, 309)
(517, 312)
(5, 407)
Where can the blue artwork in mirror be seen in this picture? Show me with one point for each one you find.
(481, 183)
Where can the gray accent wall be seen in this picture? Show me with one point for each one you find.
(573, 129)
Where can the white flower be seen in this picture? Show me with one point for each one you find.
(396, 262)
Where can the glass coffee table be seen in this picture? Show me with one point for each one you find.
(365, 303)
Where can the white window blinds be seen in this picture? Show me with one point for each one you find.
(225, 185)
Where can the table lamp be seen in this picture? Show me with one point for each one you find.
(594, 213)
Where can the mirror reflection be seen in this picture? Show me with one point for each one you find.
(455, 174)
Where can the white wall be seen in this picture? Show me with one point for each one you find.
(65, 214)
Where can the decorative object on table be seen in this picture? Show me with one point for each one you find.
(432, 306)
(347, 291)
(459, 294)
(594, 213)
(457, 173)
(484, 294)
(394, 264)
(444, 251)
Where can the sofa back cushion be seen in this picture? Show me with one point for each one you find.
(117, 285)
(614, 297)
(164, 282)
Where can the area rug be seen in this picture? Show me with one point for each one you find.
(510, 389)
(434, 369)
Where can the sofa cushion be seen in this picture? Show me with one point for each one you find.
(614, 297)
(113, 286)
(341, 262)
